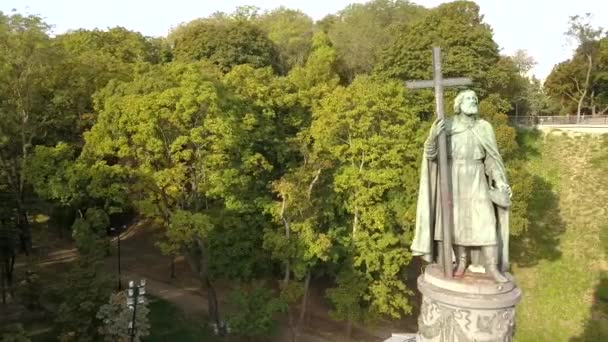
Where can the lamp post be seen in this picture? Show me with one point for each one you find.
(222, 329)
(135, 295)
(118, 247)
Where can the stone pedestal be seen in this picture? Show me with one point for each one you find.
(472, 308)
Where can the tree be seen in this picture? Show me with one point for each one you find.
(468, 50)
(371, 137)
(351, 286)
(523, 85)
(318, 77)
(537, 99)
(14, 333)
(58, 174)
(86, 286)
(116, 318)
(92, 59)
(302, 209)
(188, 148)
(573, 82)
(29, 75)
(523, 61)
(305, 242)
(30, 288)
(225, 43)
(561, 88)
(467, 45)
(599, 97)
(8, 251)
(291, 31)
(361, 31)
(254, 312)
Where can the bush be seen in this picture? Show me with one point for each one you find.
(254, 312)
(13, 333)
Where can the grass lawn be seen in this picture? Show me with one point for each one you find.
(561, 260)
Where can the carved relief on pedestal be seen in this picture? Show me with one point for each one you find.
(440, 322)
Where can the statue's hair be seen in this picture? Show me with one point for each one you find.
(460, 97)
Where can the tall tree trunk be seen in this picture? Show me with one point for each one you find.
(10, 269)
(26, 143)
(198, 259)
(292, 327)
(593, 106)
(25, 236)
(585, 89)
(172, 267)
(287, 235)
(214, 311)
(3, 282)
(304, 300)
(579, 107)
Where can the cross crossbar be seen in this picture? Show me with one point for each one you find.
(446, 82)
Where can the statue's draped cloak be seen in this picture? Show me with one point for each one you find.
(475, 164)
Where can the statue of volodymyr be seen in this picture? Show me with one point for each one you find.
(480, 192)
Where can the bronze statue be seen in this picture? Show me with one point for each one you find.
(479, 188)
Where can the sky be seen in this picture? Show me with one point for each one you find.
(536, 26)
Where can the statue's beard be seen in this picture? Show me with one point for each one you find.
(469, 110)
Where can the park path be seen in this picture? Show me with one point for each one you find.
(141, 259)
(185, 298)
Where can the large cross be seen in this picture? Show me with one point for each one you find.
(444, 177)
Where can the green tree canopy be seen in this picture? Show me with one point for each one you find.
(30, 88)
(291, 31)
(188, 147)
(581, 82)
(224, 42)
(465, 39)
(372, 139)
(93, 58)
(360, 32)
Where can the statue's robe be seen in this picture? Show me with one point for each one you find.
(475, 167)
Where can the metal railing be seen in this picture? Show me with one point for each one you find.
(558, 120)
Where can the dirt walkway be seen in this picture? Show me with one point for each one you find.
(141, 259)
(193, 303)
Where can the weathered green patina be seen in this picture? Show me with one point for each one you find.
(479, 188)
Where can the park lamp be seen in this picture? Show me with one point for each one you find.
(223, 328)
(135, 295)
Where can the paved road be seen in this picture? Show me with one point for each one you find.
(588, 129)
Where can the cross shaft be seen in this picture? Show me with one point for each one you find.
(445, 184)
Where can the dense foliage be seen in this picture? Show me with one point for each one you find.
(263, 145)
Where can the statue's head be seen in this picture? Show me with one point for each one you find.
(466, 103)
